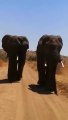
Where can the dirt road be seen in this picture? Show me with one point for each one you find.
(26, 101)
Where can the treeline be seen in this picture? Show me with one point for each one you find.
(30, 56)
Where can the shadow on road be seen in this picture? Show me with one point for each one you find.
(39, 89)
(4, 81)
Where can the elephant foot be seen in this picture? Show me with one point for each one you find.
(19, 78)
(56, 92)
(13, 80)
(41, 83)
(50, 89)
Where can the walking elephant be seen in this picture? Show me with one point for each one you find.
(16, 48)
(48, 56)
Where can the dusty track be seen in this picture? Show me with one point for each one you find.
(26, 101)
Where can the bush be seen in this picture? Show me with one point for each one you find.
(3, 55)
(31, 56)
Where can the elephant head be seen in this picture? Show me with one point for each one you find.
(16, 47)
(12, 43)
(48, 51)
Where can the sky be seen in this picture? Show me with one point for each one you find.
(34, 18)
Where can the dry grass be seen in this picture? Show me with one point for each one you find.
(31, 56)
(62, 88)
(3, 55)
(33, 65)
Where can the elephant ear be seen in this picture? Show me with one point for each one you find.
(24, 42)
(6, 42)
(60, 40)
(60, 43)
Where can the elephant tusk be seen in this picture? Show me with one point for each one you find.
(62, 64)
(45, 65)
(17, 58)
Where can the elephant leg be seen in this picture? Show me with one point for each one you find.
(51, 77)
(21, 62)
(41, 70)
(54, 80)
(12, 68)
(41, 74)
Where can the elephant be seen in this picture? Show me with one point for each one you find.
(48, 56)
(16, 48)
